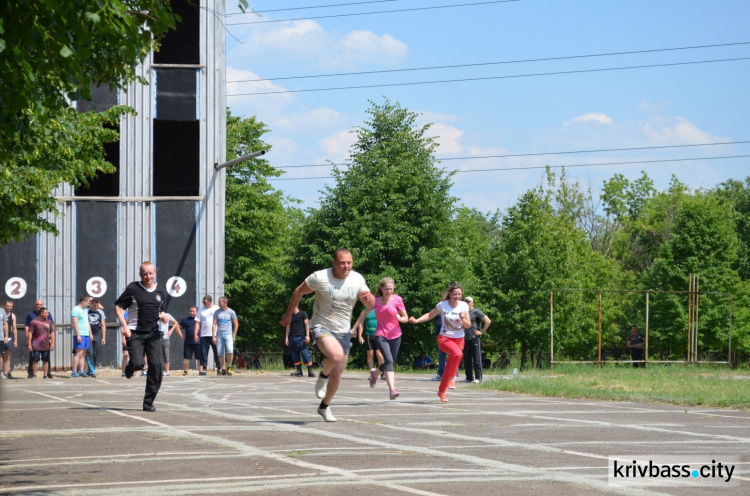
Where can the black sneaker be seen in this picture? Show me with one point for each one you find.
(49, 376)
(296, 373)
(149, 408)
(310, 373)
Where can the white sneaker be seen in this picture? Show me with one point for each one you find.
(437, 378)
(321, 386)
(476, 381)
(326, 414)
(165, 373)
(2, 376)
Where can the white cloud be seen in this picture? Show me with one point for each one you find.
(244, 84)
(306, 40)
(308, 120)
(448, 138)
(366, 46)
(591, 117)
(337, 145)
(676, 131)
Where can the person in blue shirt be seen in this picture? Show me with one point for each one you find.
(423, 361)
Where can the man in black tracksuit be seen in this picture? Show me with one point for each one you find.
(144, 301)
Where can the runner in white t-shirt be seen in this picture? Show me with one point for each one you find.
(336, 292)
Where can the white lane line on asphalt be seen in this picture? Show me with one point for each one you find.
(252, 451)
(532, 472)
(631, 426)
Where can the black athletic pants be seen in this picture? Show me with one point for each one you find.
(473, 358)
(150, 342)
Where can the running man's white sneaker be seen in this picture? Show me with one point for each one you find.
(437, 378)
(477, 381)
(321, 386)
(326, 414)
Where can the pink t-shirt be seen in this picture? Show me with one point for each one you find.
(388, 325)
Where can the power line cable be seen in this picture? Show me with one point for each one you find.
(479, 64)
(309, 8)
(632, 162)
(539, 154)
(376, 12)
(442, 81)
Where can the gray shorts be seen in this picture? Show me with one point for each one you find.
(165, 350)
(344, 338)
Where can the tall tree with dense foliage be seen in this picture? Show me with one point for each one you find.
(50, 53)
(259, 223)
(393, 208)
(703, 241)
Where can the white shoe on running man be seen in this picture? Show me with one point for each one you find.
(326, 414)
(321, 386)
(437, 378)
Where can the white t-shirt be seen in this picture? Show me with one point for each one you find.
(164, 326)
(335, 299)
(205, 319)
(452, 326)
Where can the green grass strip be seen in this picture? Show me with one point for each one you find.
(672, 385)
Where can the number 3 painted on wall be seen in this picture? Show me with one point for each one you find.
(96, 287)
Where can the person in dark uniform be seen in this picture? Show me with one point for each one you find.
(144, 301)
(636, 343)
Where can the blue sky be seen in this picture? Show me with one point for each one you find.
(658, 106)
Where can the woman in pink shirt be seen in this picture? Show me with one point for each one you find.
(390, 312)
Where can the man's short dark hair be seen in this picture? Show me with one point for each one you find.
(208, 298)
(341, 250)
(83, 298)
(94, 300)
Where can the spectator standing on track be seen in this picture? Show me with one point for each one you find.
(205, 319)
(41, 343)
(473, 342)
(336, 292)
(455, 317)
(636, 343)
(144, 301)
(223, 333)
(79, 317)
(192, 346)
(297, 338)
(164, 320)
(11, 342)
(38, 304)
(98, 326)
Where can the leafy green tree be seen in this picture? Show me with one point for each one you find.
(65, 150)
(737, 194)
(259, 222)
(52, 52)
(703, 241)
